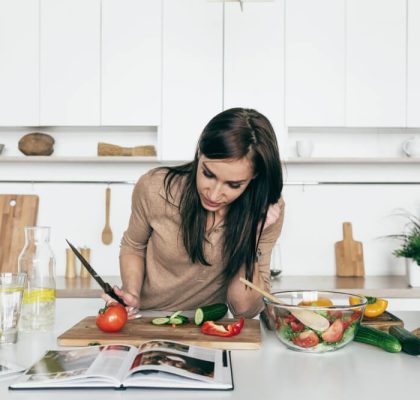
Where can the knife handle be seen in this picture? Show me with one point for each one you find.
(110, 292)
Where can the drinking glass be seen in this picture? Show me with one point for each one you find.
(11, 294)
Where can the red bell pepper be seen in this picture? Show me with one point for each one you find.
(211, 328)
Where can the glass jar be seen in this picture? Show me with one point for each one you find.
(38, 262)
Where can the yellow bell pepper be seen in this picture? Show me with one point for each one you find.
(321, 302)
(374, 306)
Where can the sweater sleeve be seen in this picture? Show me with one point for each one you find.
(135, 238)
(267, 241)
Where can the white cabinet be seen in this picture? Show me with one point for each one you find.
(413, 64)
(376, 63)
(70, 62)
(254, 59)
(131, 62)
(19, 62)
(315, 62)
(192, 73)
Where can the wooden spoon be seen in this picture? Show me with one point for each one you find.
(107, 233)
(309, 318)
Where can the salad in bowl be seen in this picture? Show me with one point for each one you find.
(314, 321)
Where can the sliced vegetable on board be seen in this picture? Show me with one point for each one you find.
(378, 338)
(211, 328)
(175, 319)
(211, 312)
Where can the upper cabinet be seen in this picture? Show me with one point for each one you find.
(192, 73)
(413, 64)
(70, 62)
(315, 62)
(254, 59)
(376, 63)
(19, 62)
(131, 62)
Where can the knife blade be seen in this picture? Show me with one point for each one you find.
(104, 285)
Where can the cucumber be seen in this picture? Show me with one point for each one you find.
(377, 338)
(160, 321)
(410, 343)
(212, 312)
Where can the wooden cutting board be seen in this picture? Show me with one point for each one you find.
(383, 322)
(349, 254)
(138, 331)
(16, 212)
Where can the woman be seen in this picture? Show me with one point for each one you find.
(196, 228)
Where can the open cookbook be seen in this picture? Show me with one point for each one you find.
(154, 364)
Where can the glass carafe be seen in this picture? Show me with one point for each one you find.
(38, 262)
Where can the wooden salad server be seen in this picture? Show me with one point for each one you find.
(309, 318)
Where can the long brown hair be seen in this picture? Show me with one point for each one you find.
(234, 134)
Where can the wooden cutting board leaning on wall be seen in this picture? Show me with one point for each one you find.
(16, 212)
(349, 254)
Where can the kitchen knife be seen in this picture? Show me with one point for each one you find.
(104, 285)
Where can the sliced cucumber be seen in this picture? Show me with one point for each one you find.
(211, 312)
(160, 321)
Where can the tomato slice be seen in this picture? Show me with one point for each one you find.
(306, 339)
(335, 332)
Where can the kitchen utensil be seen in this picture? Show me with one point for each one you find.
(349, 254)
(343, 319)
(382, 322)
(307, 317)
(16, 212)
(104, 285)
(138, 331)
(107, 233)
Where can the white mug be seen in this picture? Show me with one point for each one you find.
(304, 148)
(411, 147)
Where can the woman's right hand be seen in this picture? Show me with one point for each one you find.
(132, 302)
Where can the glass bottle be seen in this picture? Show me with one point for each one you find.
(37, 260)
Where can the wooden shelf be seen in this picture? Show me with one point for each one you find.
(354, 160)
(75, 159)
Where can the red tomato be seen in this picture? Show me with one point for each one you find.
(297, 326)
(335, 332)
(111, 318)
(306, 339)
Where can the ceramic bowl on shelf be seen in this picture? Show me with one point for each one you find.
(329, 322)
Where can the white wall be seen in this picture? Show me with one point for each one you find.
(313, 223)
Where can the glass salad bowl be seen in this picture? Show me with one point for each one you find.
(314, 321)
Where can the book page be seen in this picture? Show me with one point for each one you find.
(175, 358)
(113, 361)
(60, 365)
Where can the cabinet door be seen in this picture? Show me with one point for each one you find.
(315, 62)
(376, 62)
(70, 61)
(254, 59)
(192, 73)
(131, 62)
(19, 62)
(413, 67)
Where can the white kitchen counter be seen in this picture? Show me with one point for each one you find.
(273, 372)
